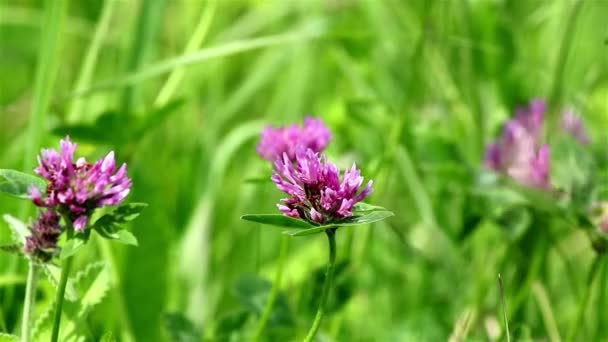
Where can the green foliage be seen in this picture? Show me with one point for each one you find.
(121, 127)
(413, 92)
(180, 329)
(89, 286)
(253, 292)
(71, 247)
(111, 226)
(19, 230)
(278, 220)
(8, 338)
(17, 183)
(363, 214)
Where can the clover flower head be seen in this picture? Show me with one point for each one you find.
(518, 153)
(45, 232)
(275, 141)
(532, 117)
(77, 188)
(316, 191)
(573, 125)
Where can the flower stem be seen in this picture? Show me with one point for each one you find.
(275, 289)
(65, 270)
(580, 314)
(30, 299)
(331, 236)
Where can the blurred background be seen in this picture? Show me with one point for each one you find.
(413, 92)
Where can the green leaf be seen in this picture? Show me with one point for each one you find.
(18, 228)
(12, 248)
(366, 218)
(16, 183)
(278, 220)
(89, 287)
(92, 284)
(53, 273)
(362, 206)
(71, 247)
(123, 214)
(41, 331)
(180, 329)
(126, 237)
(111, 226)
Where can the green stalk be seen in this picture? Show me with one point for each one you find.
(329, 275)
(504, 307)
(193, 44)
(150, 17)
(46, 71)
(30, 300)
(562, 59)
(65, 270)
(88, 66)
(2, 320)
(275, 289)
(580, 314)
(160, 68)
(602, 315)
(47, 66)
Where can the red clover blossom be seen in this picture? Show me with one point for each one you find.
(42, 243)
(519, 153)
(275, 141)
(316, 192)
(77, 188)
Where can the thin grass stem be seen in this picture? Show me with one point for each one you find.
(29, 302)
(283, 249)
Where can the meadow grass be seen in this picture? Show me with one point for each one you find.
(413, 92)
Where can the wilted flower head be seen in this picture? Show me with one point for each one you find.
(518, 153)
(316, 192)
(78, 188)
(42, 243)
(573, 125)
(276, 141)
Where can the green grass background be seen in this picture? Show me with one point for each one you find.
(413, 91)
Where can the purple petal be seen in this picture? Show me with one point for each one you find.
(80, 223)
